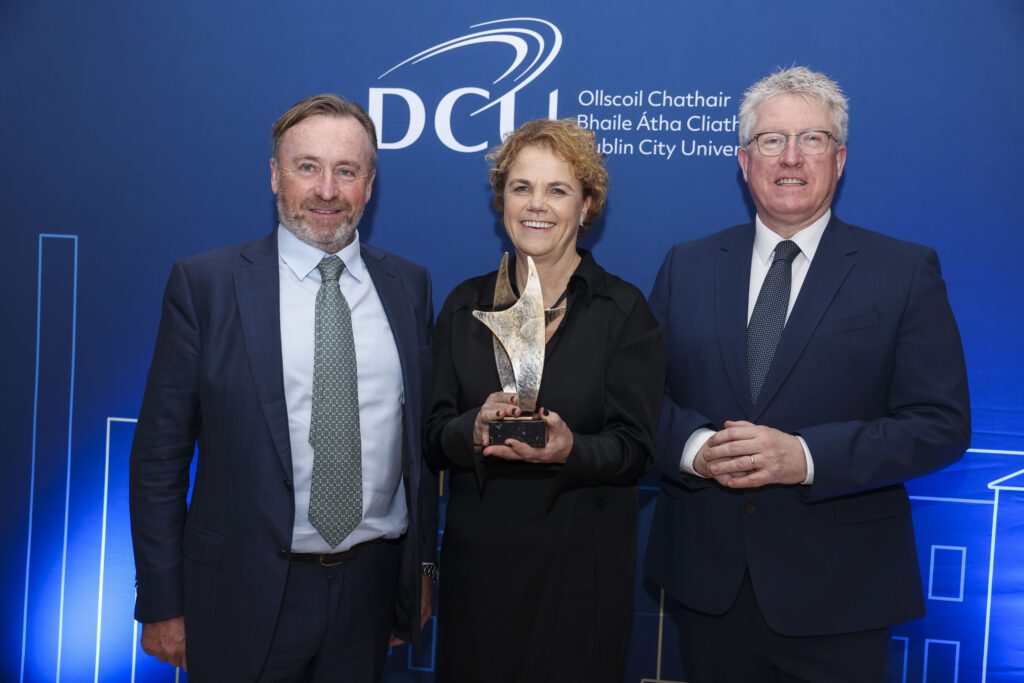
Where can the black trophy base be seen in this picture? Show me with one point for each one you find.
(532, 431)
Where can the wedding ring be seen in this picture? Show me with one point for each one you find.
(753, 466)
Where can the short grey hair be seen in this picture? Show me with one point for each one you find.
(796, 80)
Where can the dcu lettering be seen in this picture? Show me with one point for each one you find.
(536, 43)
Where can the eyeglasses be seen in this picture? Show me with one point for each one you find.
(809, 141)
(307, 170)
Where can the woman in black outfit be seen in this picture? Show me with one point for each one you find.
(538, 555)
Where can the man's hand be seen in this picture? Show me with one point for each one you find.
(745, 455)
(426, 608)
(165, 640)
(426, 600)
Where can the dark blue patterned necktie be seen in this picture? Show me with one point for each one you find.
(769, 316)
(336, 494)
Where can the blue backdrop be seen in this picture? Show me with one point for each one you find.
(138, 133)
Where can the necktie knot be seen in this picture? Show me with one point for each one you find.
(786, 250)
(331, 267)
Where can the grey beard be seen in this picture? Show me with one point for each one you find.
(341, 237)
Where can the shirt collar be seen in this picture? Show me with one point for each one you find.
(765, 239)
(587, 274)
(303, 259)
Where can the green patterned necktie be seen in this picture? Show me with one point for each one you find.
(336, 494)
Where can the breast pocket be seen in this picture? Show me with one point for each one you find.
(848, 323)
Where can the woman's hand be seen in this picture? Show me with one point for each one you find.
(498, 405)
(556, 449)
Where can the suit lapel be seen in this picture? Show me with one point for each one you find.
(395, 300)
(832, 263)
(257, 289)
(732, 281)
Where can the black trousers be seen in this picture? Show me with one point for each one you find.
(740, 647)
(335, 622)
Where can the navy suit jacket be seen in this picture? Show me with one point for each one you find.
(869, 371)
(217, 380)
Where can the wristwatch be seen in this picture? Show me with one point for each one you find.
(430, 570)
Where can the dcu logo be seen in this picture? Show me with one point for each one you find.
(535, 44)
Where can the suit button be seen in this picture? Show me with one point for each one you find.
(288, 484)
(282, 553)
(750, 508)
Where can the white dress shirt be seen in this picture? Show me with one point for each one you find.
(381, 394)
(761, 257)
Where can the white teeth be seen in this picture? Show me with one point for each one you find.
(789, 181)
(538, 224)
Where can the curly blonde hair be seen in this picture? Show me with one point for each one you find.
(565, 139)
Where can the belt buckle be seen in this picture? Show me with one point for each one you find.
(340, 560)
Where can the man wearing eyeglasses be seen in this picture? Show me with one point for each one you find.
(815, 366)
(300, 364)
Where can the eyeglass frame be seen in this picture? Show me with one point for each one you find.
(828, 135)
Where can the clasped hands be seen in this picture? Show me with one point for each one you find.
(744, 455)
(501, 405)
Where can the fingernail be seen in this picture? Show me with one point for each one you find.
(546, 412)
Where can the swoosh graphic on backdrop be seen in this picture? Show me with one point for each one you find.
(524, 40)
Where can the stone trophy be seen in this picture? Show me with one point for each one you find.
(518, 327)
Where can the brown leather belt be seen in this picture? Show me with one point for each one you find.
(332, 559)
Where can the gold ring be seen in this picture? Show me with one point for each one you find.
(753, 466)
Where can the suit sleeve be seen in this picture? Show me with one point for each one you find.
(634, 377)
(428, 485)
(161, 454)
(421, 544)
(928, 422)
(449, 432)
(677, 422)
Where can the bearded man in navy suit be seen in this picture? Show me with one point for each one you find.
(249, 582)
(814, 367)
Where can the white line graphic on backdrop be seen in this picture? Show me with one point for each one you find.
(513, 36)
(103, 548)
(535, 43)
(998, 486)
(35, 423)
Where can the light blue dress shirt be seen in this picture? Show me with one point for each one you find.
(381, 394)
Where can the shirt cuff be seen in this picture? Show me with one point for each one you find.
(810, 462)
(692, 447)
